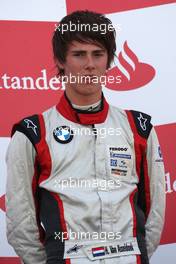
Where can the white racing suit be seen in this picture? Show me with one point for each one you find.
(85, 187)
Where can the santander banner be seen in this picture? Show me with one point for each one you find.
(144, 61)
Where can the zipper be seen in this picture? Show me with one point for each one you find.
(94, 131)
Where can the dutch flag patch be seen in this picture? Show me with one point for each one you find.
(98, 251)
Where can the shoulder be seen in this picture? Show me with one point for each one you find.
(139, 121)
(32, 126)
(118, 111)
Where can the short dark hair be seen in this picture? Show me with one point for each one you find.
(61, 40)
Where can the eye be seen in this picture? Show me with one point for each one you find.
(78, 55)
(98, 54)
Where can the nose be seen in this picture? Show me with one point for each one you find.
(89, 65)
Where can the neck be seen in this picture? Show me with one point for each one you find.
(83, 99)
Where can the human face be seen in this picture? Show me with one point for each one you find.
(85, 59)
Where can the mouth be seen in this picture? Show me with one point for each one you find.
(88, 78)
(91, 76)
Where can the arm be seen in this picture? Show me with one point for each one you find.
(22, 230)
(155, 220)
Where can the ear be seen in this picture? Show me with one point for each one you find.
(60, 65)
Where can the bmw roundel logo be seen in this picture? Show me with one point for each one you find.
(63, 134)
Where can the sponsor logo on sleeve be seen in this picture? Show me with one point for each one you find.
(142, 122)
(159, 155)
(31, 125)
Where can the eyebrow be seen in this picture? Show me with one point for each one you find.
(85, 51)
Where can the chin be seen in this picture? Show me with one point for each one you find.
(89, 88)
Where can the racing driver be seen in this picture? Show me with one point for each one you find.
(65, 145)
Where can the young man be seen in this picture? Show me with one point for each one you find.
(57, 162)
